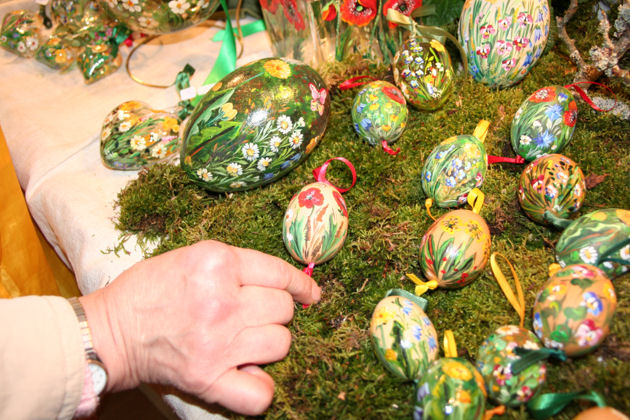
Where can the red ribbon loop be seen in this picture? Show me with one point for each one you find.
(388, 149)
(500, 159)
(587, 99)
(354, 82)
(320, 173)
(309, 269)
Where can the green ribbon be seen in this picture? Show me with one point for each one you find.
(556, 221)
(546, 405)
(426, 32)
(529, 357)
(421, 302)
(247, 30)
(182, 81)
(119, 34)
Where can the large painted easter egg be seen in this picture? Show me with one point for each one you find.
(453, 169)
(503, 39)
(451, 388)
(22, 32)
(495, 358)
(160, 16)
(379, 112)
(315, 223)
(551, 189)
(255, 125)
(455, 249)
(75, 13)
(424, 73)
(601, 413)
(600, 238)
(403, 337)
(544, 123)
(574, 309)
(134, 135)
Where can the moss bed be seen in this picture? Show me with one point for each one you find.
(332, 370)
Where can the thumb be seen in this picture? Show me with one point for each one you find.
(247, 390)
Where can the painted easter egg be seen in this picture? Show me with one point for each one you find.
(160, 16)
(22, 32)
(97, 60)
(134, 135)
(600, 238)
(544, 123)
(551, 188)
(503, 39)
(424, 73)
(315, 224)
(403, 337)
(451, 388)
(494, 360)
(453, 169)
(57, 53)
(255, 125)
(574, 309)
(379, 112)
(76, 13)
(601, 413)
(455, 249)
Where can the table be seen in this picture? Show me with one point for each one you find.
(52, 125)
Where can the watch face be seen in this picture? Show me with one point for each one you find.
(99, 376)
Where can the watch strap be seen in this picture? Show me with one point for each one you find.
(86, 334)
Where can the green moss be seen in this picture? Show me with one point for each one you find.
(332, 370)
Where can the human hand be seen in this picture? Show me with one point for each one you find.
(200, 318)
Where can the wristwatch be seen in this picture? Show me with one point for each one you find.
(95, 365)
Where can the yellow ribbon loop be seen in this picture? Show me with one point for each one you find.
(475, 199)
(428, 203)
(553, 269)
(450, 347)
(481, 130)
(496, 411)
(422, 286)
(517, 303)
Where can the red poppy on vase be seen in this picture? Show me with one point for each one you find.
(483, 50)
(545, 94)
(271, 5)
(394, 93)
(403, 6)
(342, 203)
(358, 12)
(310, 198)
(292, 14)
(329, 13)
(570, 116)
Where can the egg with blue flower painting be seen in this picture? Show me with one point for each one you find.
(255, 125)
(379, 113)
(402, 335)
(503, 39)
(574, 309)
(544, 123)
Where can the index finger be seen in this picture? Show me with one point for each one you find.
(260, 269)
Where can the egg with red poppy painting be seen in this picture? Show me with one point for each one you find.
(379, 112)
(544, 123)
(551, 189)
(424, 73)
(574, 310)
(503, 39)
(315, 224)
(455, 249)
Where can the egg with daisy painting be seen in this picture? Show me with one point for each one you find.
(255, 125)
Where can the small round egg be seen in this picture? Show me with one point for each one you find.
(574, 310)
(22, 32)
(601, 413)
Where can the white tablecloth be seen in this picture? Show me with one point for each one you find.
(52, 124)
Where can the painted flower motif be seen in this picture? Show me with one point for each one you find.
(32, 43)
(263, 164)
(310, 198)
(178, 7)
(437, 45)
(588, 333)
(403, 6)
(295, 139)
(393, 93)
(508, 330)
(451, 181)
(330, 13)
(524, 19)
(21, 47)
(486, 31)
(577, 190)
(508, 64)
(274, 143)
(524, 393)
(503, 47)
(390, 355)
(592, 303)
(450, 224)
(158, 151)
(545, 139)
(537, 324)
(291, 12)
(156, 136)
(237, 184)
(383, 316)
(545, 94)
(131, 5)
(271, 6)
(138, 143)
(234, 169)
(358, 12)
(483, 50)
(229, 111)
(284, 124)
(170, 124)
(457, 370)
(588, 255)
(570, 115)
(504, 24)
(278, 68)
(554, 112)
(625, 252)
(557, 292)
(520, 43)
(250, 151)
(432, 343)
(203, 174)
(525, 140)
(474, 230)
(501, 373)
(405, 344)
(550, 191)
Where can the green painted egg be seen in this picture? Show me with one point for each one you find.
(424, 73)
(403, 337)
(494, 360)
(76, 13)
(22, 32)
(160, 16)
(57, 53)
(455, 249)
(574, 309)
(544, 123)
(134, 135)
(255, 125)
(600, 238)
(379, 112)
(315, 224)
(503, 39)
(453, 169)
(551, 189)
(451, 388)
